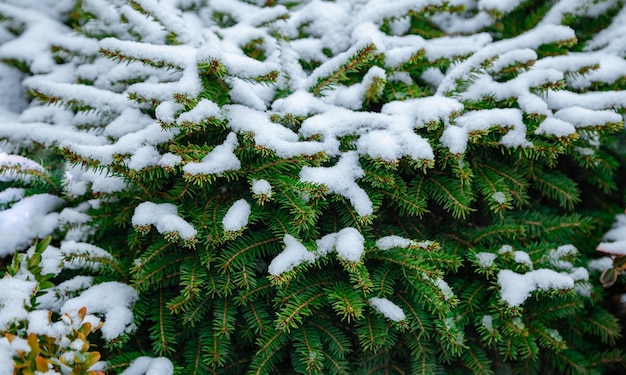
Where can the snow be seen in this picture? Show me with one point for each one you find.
(14, 299)
(555, 127)
(205, 109)
(455, 139)
(600, 264)
(77, 181)
(352, 97)
(261, 187)
(83, 255)
(144, 157)
(35, 217)
(510, 58)
(164, 217)
(584, 117)
(294, 254)
(149, 366)
(614, 240)
(341, 179)
(532, 39)
(16, 167)
(485, 259)
(610, 39)
(121, 133)
(7, 351)
(445, 288)
(221, 159)
(516, 288)
(522, 257)
(387, 308)
(499, 197)
(389, 242)
(237, 216)
(503, 6)
(55, 297)
(504, 249)
(350, 244)
(112, 299)
(487, 322)
(326, 244)
(10, 195)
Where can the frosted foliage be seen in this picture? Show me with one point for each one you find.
(165, 217)
(81, 253)
(112, 299)
(110, 121)
(16, 167)
(237, 216)
(330, 112)
(387, 308)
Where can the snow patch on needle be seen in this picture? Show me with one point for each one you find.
(164, 217)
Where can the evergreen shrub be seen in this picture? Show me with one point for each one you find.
(328, 187)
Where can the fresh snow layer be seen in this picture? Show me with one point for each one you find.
(112, 299)
(341, 179)
(389, 242)
(164, 217)
(149, 366)
(516, 288)
(387, 308)
(237, 216)
(445, 288)
(486, 259)
(294, 254)
(17, 168)
(30, 218)
(261, 187)
(349, 244)
(614, 240)
(14, 300)
(222, 158)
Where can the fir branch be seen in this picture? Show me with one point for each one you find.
(354, 60)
